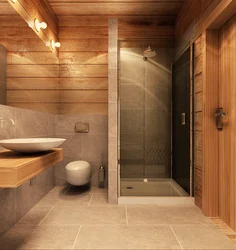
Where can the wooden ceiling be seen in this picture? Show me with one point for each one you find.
(151, 12)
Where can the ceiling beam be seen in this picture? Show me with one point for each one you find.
(29, 10)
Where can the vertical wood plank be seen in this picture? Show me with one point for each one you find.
(210, 199)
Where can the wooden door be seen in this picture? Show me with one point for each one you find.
(227, 137)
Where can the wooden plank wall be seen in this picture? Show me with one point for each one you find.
(83, 64)
(192, 11)
(33, 70)
(198, 114)
(227, 90)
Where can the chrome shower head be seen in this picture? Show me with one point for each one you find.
(148, 53)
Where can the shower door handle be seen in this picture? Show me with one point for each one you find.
(183, 119)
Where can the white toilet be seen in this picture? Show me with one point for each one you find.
(78, 173)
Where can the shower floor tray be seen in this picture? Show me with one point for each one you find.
(150, 187)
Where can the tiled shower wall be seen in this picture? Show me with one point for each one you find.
(16, 202)
(82, 146)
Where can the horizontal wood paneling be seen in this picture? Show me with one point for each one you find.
(16, 32)
(83, 58)
(192, 11)
(10, 20)
(32, 71)
(137, 32)
(83, 96)
(33, 96)
(83, 32)
(153, 21)
(32, 83)
(83, 70)
(154, 43)
(83, 83)
(23, 44)
(83, 108)
(41, 107)
(31, 57)
(73, 45)
(6, 8)
(117, 9)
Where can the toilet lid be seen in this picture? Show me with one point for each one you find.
(75, 165)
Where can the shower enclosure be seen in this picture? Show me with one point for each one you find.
(145, 112)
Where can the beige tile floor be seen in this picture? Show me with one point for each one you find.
(68, 219)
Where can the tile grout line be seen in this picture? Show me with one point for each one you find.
(126, 216)
(77, 235)
(45, 216)
(90, 200)
(175, 236)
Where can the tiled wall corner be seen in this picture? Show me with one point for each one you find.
(112, 110)
(16, 202)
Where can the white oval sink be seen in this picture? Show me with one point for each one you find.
(30, 145)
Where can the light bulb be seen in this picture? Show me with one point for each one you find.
(55, 44)
(39, 25)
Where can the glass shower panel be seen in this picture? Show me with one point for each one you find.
(132, 76)
(145, 119)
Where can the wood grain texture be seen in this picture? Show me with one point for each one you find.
(28, 58)
(191, 12)
(198, 117)
(32, 72)
(83, 59)
(31, 9)
(149, 8)
(153, 21)
(144, 43)
(83, 83)
(72, 70)
(80, 58)
(140, 32)
(83, 108)
(16, 169)
(33, 96)
(81, 45)
(83, 96)
(227, 90)
(210, 202)
(52, 108)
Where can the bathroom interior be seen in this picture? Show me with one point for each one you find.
(122, 88)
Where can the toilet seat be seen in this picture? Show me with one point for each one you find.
(75, 165)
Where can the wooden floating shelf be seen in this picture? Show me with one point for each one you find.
(16, 168)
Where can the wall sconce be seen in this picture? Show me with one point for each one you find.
(14, 1)
(39, 25)
(55, 44)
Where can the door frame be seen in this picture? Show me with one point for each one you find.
(208, 26)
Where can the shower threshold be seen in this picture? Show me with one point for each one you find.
(152, 191)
